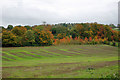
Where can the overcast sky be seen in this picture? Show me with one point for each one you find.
(31, 12)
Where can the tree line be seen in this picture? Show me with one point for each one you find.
(46, 35)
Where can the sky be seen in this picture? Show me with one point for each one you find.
(34, 12)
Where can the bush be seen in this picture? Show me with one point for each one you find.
(115, 76)
(106, 42)
(90, 43)
(116, 44)
(111, 43)
(93, 42)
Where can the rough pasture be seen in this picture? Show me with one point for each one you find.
(65, 61)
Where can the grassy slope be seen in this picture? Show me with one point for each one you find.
(60, 61)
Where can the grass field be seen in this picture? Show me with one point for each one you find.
(65, 61)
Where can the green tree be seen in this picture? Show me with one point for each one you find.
(112, 26)
(39, 27)
(27, 27)
(29, 37)
(10, 27)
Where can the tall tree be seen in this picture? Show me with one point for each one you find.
(29, 37)
(10, 27)
(8, 38)
(27, 27)
(19, 31)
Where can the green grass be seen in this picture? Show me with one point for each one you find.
(116, 29)
(65, 61)
(91, 73)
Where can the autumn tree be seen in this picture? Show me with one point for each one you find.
(19, 31)
(61, 35)
(8, 39)
(90, 39)
(45, 38)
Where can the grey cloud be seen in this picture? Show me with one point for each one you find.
(54, 11)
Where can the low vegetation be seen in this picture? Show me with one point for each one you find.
(64, 61)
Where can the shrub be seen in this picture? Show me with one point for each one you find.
(56, 42)
(89, 42)
(100, 41)
(106, 42)
(116, 44)
(90, 39)
(93, 42)
(111, 43)
(115, 76)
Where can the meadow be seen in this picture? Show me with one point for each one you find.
(61, 61)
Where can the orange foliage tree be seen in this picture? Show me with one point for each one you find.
(8, 38)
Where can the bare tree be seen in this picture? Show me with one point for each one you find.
(44, 22)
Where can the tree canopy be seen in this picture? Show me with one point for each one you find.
(40, 35)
